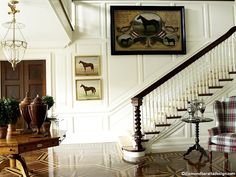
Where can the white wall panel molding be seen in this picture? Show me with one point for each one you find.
(104, 74)
(153, 65)
(61, 72)
(121, 121)
(140, 71)
(194, 16)
(222, 21)
(89, 20)
(69, 80)
(157, 3)
(123, 76)
(91, 47)
(206, 21)
(234, 14)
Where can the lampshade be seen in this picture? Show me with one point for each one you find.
(13, 44)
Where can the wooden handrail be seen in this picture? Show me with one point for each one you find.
(185, 64)
(137, 100)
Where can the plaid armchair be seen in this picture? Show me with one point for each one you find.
(223, 137)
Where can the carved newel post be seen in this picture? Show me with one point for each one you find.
(137, 102)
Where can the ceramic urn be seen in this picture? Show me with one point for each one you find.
(24, 109)
(38, 112)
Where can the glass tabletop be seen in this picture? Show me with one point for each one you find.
(196, 119)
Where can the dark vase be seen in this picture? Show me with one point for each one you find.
(3, 132)
(25, 111)
(37, 112)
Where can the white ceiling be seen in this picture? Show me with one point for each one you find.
(42, 26)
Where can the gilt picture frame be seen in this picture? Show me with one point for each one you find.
(88, 89)
(87, 65)
(147, 30)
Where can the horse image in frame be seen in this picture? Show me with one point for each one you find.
(88, 89)
(87, 65)
(147, 30)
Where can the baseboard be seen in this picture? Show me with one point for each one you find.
(178, 145)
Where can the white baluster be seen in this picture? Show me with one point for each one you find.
(227, 57)
(211, 70)
(174, 96)
(216, 64)
(233, 54)
(158, 104)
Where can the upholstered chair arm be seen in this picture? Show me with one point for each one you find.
(214, 131)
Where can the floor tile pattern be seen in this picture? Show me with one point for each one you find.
(105, 160)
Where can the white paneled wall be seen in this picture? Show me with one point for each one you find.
(221, 18)
(123, 76)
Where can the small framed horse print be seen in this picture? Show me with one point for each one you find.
(88, 89)
(87, 65)
(147, 30)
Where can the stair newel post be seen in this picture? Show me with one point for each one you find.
(137, 102)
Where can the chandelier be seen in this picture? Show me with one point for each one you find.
(13, 44)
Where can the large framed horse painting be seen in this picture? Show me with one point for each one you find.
(88, 89)
(87, 65)
(147, 30)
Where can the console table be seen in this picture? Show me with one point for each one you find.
(196, 146)
(20, 143)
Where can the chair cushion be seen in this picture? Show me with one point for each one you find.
(221, 148)
(226, 139)
(225, 112)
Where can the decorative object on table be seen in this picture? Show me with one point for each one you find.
(13, 113)
(48, 100)
(191, 109)
(13, 43)
(202, 107)
(89, 89)
(24, 110)
(194, 106)
(87, 65)
(3, 120)
(38, 112)
(147, 30)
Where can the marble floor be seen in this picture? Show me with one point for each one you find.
(105, 160)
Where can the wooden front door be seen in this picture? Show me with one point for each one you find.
(29, 76)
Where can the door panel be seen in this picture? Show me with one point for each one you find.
(29, 76)
(11, 81)
(35, 77)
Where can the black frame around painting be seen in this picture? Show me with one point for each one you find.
(147, 30)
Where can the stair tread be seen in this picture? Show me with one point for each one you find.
(162, 125)
(144, 140)
(205, 94)
(228, 79)
(149, 133)
(173, 117)
(181, 109)
(215, 87)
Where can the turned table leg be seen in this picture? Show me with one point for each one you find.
(18, 165)
(5, 163)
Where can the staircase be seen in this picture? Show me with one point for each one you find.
(159, 108)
